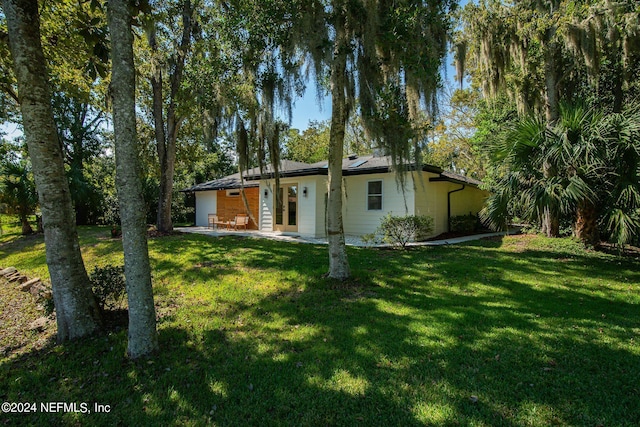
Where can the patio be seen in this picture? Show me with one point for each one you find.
(349, 240)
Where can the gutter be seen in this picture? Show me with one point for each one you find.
(449, 205)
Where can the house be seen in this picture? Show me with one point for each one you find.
(370, 188)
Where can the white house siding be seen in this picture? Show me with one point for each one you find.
(321, 205)
(307, 214)
(206, 203)
(469, 200)
(357, 218)
(432, 201)
(429, 199)
(307, 206)
(266, 213)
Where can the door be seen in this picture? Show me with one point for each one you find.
(287, 208)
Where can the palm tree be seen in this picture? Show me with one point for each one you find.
(621, 192)
(594, 160)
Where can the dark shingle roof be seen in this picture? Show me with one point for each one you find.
(353, 165)
(233, 181)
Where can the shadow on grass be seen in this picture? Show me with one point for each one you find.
(413, 339)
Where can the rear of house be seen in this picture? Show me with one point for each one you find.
(371, 191)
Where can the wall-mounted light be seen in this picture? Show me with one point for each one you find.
(304, 191)
(266, 193)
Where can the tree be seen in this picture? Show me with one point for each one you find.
(166, 134)
(539, 53)
(389, 55)
(452, 146)
(79, 130)
(595, 156)
(77, 313)
(310, 146)
(143, 338)
(18, 190)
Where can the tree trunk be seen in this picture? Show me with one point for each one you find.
(551, 55)
(166, 141)
(26, 227)
(550, 226)
(143, 338)
(338, 262)
(586, 227)
(549, 221)
(77, 313)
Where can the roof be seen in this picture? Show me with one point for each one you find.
(233, 181)
(226, 183)
(352, 165)
(457, 178)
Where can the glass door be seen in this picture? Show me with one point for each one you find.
(287, 208)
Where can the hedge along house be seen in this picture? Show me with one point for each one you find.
(370, 191)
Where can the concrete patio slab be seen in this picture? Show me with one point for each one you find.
(349, 240)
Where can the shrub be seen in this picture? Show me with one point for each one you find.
(108, 285)
(369, 239)
(464, 223)
(400, 230)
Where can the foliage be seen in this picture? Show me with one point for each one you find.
(537, 53)
(464, 223)
(252, 331)
(310, 146)
(108, 285)
(400, 230)
(451, 145)
(18, 189)
(595, 158)
(82, 135)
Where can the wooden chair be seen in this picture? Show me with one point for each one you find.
(212, 220)
(222, 222)
(241, 220)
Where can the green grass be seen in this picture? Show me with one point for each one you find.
(541, 331)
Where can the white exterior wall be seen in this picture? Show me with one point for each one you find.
(357, 218)
(206, 203)
(310, 224)
(322, 191)
(266, 212)
(432, 201)
(429, 201)
(306, 205)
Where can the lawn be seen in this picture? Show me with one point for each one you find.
(515, 331)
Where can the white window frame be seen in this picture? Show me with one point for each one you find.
(233, 193)
(381, 195)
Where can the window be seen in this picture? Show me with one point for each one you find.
(233, 193)
(374, 195)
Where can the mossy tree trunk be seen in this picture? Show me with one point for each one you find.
(143, 338)
(77, 313)
(338, 261)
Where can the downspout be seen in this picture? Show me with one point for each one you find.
(449, 206)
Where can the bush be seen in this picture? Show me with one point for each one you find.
(464, 223)
(108, 285)
(400, 230)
